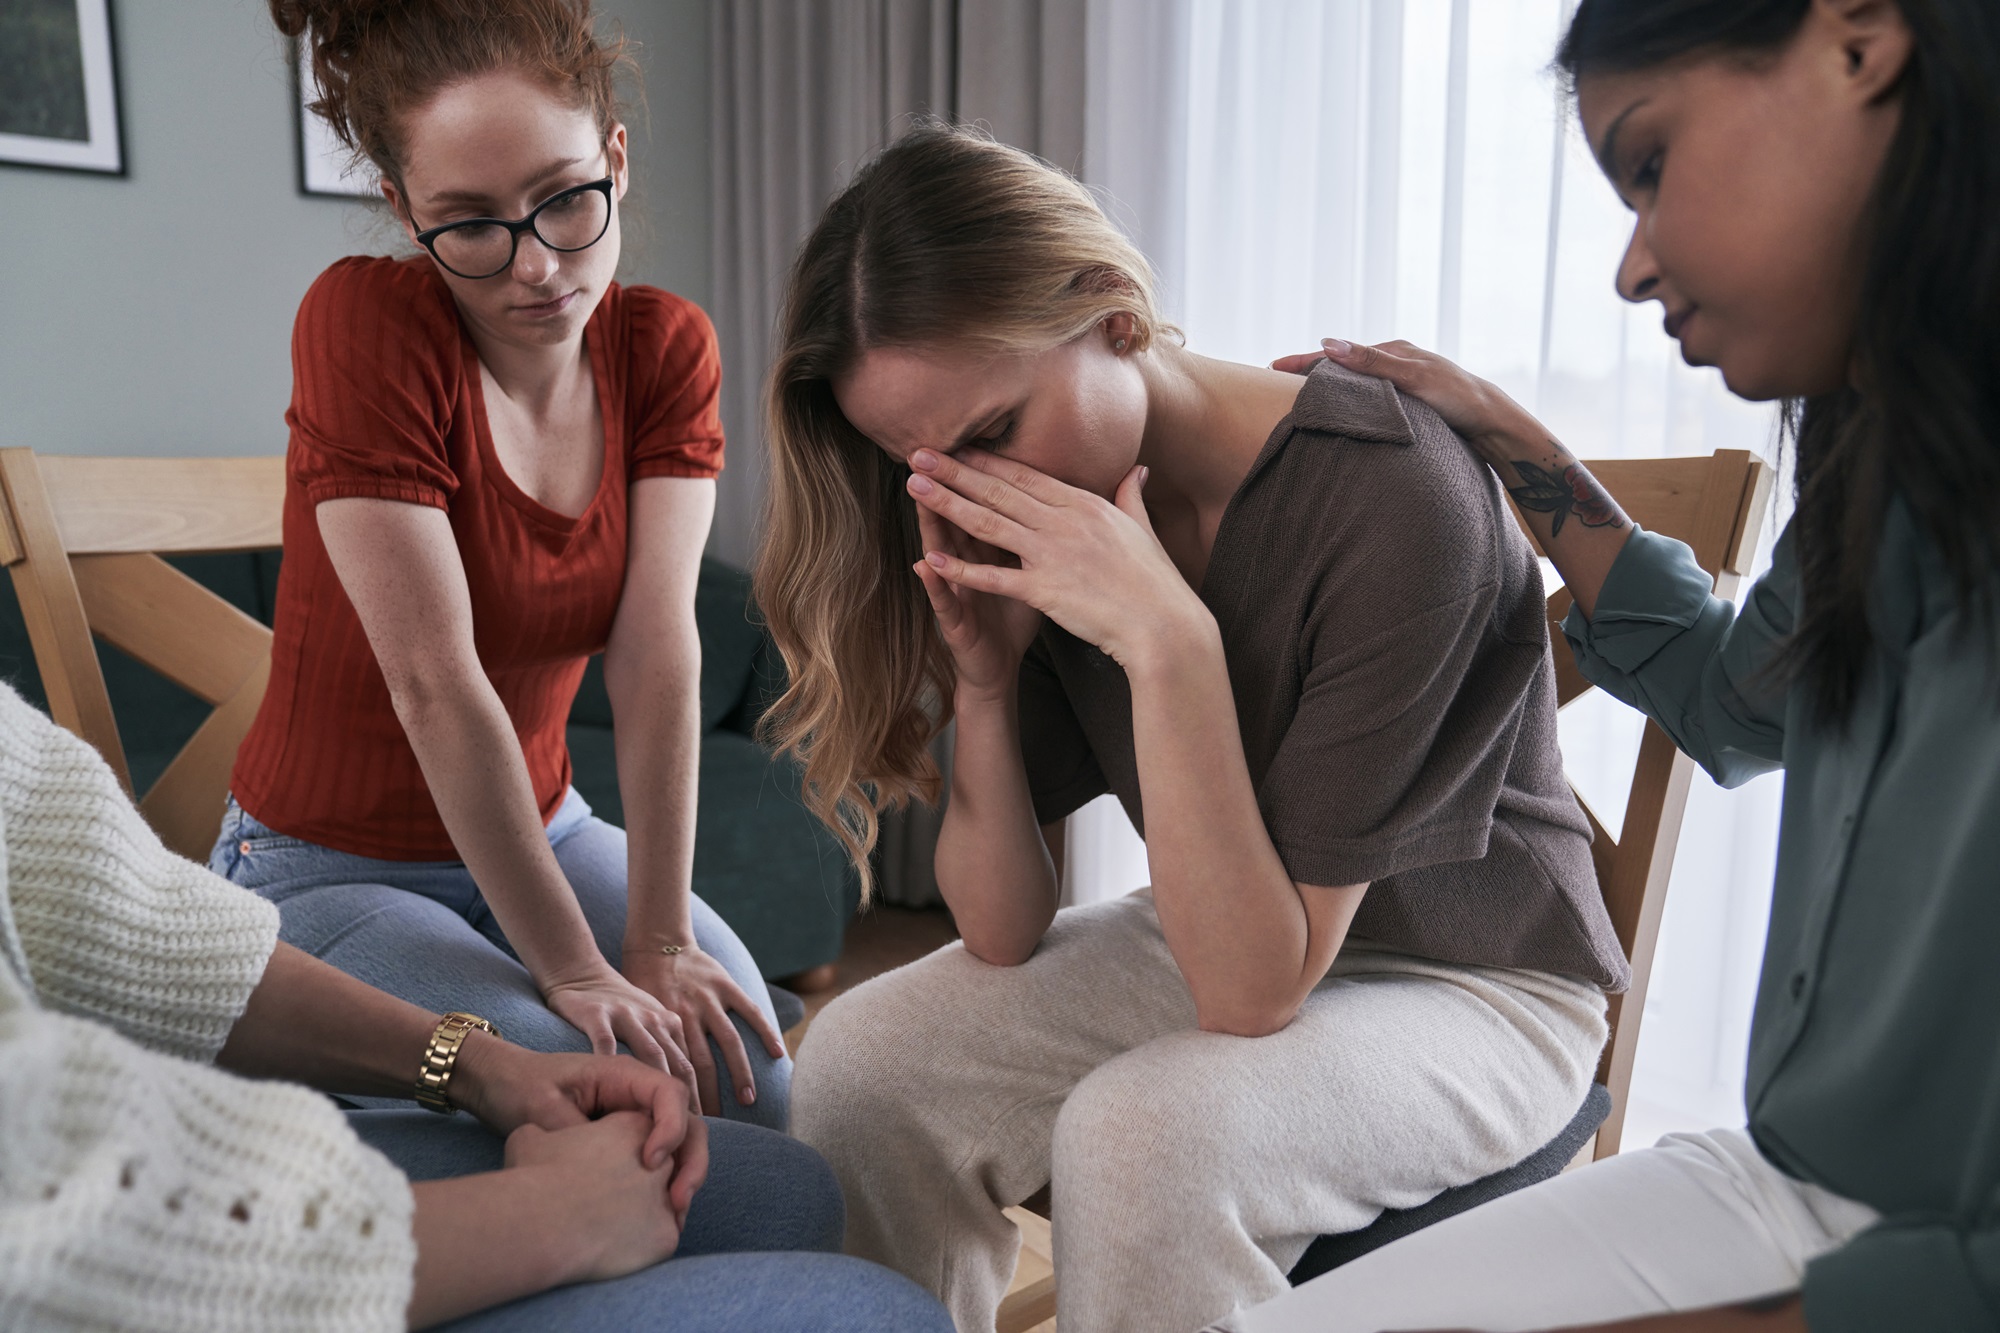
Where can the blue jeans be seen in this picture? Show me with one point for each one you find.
(760, 1252)
(421, 931)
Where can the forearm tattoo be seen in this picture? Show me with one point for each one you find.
(1564, 488)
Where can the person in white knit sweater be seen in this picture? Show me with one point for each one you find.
(141, 1188)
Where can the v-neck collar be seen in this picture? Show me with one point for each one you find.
(489, 458)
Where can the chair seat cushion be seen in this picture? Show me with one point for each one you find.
(1330, 1252)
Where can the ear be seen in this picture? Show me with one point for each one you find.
(400, 207)
(1875, 43)
(1118, 333)
(616, 155)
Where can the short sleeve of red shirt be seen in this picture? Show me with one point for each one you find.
(372, 385)
(674, 402)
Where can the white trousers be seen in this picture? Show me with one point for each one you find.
(1699, 1220)
(1190, 1169)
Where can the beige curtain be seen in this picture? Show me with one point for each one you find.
(803, 91)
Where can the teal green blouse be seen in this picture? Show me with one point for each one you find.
(1875, 1051)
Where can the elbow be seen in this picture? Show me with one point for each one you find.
(421, 697)
(1000, 953)
(1245, 1016)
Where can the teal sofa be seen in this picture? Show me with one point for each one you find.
(767, 866)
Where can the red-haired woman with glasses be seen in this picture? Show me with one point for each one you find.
(501, 462)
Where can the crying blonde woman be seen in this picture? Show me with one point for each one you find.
(1291, 625)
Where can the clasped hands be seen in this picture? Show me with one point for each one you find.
(587, 1110)
(1094, 566)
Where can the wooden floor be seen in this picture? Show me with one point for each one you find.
(886, 938)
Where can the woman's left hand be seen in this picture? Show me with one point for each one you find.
(506, 1086)
(1091, 565)
(701, 991)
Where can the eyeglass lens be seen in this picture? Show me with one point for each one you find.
(571, 221)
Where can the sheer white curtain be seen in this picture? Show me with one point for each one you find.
(1408, 168)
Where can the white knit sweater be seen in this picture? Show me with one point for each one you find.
(140, 1188)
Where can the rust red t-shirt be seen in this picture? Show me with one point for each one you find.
(387, 403)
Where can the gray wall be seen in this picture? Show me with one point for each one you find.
(152, 314)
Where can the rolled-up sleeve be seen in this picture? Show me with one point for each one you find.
(1661, 641)
(1928, 1275)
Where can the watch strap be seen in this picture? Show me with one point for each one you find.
(441, 1058)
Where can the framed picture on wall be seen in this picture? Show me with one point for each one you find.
(59, 86)
(326, 167)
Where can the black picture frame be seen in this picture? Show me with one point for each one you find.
(60, 104)
(326, 169)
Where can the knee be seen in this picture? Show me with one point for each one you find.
(875, 1061)
(831, 1293)
(1137, 1132)
(843, 1071)
(877, 1298)
(769, 1192)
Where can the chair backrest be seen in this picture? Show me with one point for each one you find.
(1716, 505)
(82, 538)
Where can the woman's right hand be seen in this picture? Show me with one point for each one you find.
(608, 1009)
(622, 1214)
(576, 1204)
(1479, 410)
(987, 633)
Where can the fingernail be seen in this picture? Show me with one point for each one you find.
(749, 1096)
(923, 460)
(1337, 346)
(920, 486)
(1144, 473)
(936, 558)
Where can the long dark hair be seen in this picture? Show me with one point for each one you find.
(1922, 418)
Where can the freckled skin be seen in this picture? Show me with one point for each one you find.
(495, 135)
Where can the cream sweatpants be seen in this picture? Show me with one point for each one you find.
(1190, 1169)
(1699, 1220)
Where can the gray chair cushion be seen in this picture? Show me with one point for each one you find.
(1330, 1252)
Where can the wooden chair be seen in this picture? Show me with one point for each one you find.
(83, 539)
(1716, 505)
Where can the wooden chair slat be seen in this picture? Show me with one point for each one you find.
(1603, 847)
(1660, 494)
(1751, 514)
(10, 540)
(149, 610)
(185, 805)
(1570, 682)
(72, 679)
(173, 505)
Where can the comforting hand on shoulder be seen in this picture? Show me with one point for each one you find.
(1091, 565)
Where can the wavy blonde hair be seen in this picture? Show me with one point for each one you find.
(946, 238)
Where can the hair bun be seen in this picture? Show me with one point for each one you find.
(327, 17)
(372, 60)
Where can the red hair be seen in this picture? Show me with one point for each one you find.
(376, 60)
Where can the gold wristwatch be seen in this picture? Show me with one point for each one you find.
(441, 1056)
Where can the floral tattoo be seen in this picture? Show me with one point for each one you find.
(1571, 491)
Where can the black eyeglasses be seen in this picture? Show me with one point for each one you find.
(573, 220)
